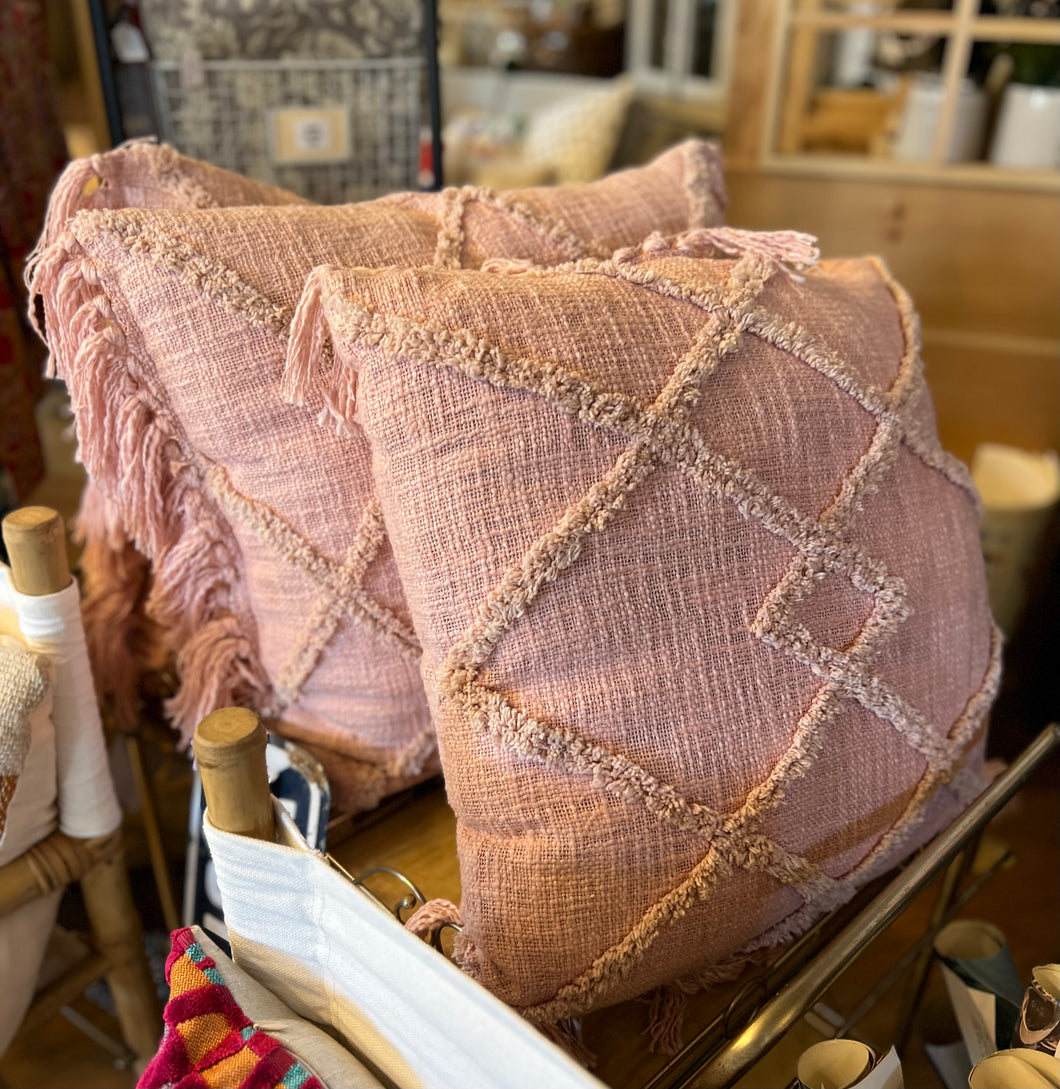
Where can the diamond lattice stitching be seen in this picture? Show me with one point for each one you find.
(340, 585)
(661, 435)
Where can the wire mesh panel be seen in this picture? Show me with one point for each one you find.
(332, 131)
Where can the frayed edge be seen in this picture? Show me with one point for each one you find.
(123, 642)
(131, 449)
(311, 372)
(567, 1034)
(669, 1003)
(789, 251)
(666, 1019)
(308, 334)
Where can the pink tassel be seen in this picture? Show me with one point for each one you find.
(790, 251)
(567, 1034)
(309, 331)
(340, 401)
(666, 1018)
(213, 665)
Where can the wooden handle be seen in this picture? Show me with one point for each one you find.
(36, 545)
(230, 750)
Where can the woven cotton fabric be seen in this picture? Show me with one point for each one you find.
(701, 600)
(23, 684)
(337, 958)
(116, 579)
(272, 574)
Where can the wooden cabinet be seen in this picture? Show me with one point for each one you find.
(977, 246)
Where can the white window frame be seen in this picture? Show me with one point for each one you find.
(675, 78)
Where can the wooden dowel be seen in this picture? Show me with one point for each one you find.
(117, 935)
(53, 863)
(152, 832)
(230, 751)
(36, 546)
(49, 1000)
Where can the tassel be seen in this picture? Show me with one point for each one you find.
(567, 1034)
(790, 251)
(156, 497)
(309, 330)
(340, 401)
(666, 1018)
(216, 657)
(431, 917)
(311, 367)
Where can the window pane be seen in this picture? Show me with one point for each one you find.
(704, 33)
(659, 25)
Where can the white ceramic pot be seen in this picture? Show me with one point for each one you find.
(920, 120)
(1028, 128)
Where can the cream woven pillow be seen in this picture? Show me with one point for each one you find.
(701, 600)
(272, 575)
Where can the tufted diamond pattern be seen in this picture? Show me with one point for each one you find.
(271, 574)
(681, 713)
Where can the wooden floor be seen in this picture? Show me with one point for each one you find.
(1024, 901)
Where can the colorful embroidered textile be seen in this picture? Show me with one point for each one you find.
(208, 1040)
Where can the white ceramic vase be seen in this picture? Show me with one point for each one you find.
(920, 120)
(1027, 135)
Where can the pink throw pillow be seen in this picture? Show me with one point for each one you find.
(701, 600)
(272, 575)
(122, 641)
(146, 174)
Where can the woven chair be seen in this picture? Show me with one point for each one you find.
(73, 800)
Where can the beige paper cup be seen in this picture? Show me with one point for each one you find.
(1019, 492)
(835, 1064)
(1019, 1068)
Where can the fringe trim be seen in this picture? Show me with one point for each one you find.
(123, 642)
(666, 1018)
(132, 447)
(789, 252)
(310, 370)
(669, 1003)
(307, 337)
(567, 1034)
